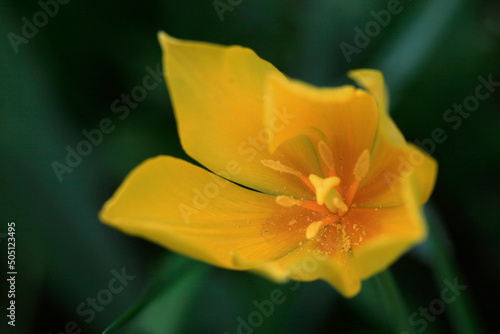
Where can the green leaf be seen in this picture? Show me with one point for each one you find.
(163, 306)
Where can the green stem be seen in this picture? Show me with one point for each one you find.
(394, 303)
(462, 317)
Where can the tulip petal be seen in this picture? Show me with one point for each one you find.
(194, 212)
(308, 263)
(425, 173)
(373, 81)
(376, 238)
(345, 118)
(395, 163)
(380, 236)
(393, 169)
(217, 93)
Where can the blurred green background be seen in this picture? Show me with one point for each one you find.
(62, 77)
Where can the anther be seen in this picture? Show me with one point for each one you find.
(279, 167)
(313, 229)
(362, 165)
(326, 154)
(360, 171)
(287, 201)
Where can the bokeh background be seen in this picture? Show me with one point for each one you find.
(63, 79)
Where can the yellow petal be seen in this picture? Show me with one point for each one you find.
(394, 169)
(308, 264)
(373, 81)
(217, 94)
(425, 173)
(194, 212)
(383, 235)
(396, 164)
(344, 118)
(373, 239)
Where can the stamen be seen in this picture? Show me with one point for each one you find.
(349, 195)
(287, 201)
(313, 229)
(313, 205)
(323, 186)
(278, 166)
(360, 171)
(306, 180)
(362, 165)
(326, 154)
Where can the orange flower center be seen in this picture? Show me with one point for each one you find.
(331, 200)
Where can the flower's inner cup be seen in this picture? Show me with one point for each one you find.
(331, 202)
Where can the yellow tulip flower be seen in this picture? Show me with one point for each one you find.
(303, 183)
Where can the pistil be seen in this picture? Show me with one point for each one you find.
(323, 186)
(329, 200)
